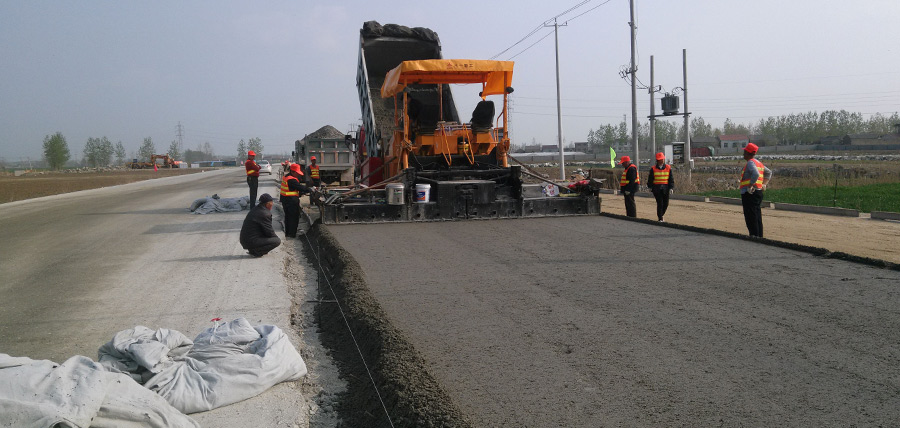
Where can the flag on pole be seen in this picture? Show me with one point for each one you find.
(612, 158)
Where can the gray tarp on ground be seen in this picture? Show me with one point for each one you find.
(223, 365)
(216, 204)
(78, 393)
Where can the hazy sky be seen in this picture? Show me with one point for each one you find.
(278, 70)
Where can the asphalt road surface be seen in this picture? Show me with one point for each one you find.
(77, 268)
(596, 321)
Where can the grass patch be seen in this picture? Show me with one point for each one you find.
(867, 198)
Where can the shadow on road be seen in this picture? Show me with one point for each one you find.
(209, 226)
(221, 258)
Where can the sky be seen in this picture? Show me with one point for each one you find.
(277, 70)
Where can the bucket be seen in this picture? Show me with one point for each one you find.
(394, 193)
(423, 193)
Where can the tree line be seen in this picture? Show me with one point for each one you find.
(796, 128)
(100, 152)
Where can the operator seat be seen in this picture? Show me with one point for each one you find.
(483, 116)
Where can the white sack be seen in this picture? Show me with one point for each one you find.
(231, 363)
(78, 393)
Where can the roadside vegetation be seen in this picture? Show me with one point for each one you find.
(865, 198)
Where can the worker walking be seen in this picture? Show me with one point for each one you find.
(291, 189)
(257, 235)
(754, 179)
(252, 176)
(629, 184)
(312, 173)
(661, 181)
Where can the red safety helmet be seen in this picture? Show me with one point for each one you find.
(295, 167)
(751, 148)
(624, 159)
(251, 153)
(660, 156)
(312, 158)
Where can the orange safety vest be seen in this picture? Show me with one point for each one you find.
(759, 180)
(252, 168)
(285, 189)
(624, 182)
(314, 172)
(661, 176)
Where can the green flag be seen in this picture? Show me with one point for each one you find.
(612, 158)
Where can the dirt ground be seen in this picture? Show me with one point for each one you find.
(861, 236)
(54, 183)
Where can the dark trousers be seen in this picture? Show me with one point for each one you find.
(261, 246)
(661, 194)
(630, 207)
(253, 182)
(291, 206)
(752, 203)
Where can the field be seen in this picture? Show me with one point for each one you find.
(35, 185)
(863, 185)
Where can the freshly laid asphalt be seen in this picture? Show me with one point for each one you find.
(598, 321)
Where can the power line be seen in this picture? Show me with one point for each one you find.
(545, 23)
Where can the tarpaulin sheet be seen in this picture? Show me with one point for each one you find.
(223, 365)
(78, 393)
(216, 204)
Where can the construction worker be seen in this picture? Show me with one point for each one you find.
(629, 184)
(661, 181)
(291, 189)
(252, 175)
(312, 173)
(257, 235)
(754, 179)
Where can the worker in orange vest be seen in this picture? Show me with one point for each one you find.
(754, 179)
(291, 189)
(629, 184)
(252, 176)
(661, 181)
(312, 173)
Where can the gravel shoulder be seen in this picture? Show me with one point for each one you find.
(860, 236)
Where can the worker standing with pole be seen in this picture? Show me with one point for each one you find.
(291, 189)
(754, 179)
(628, 184)
(661, 181)
(252, 176)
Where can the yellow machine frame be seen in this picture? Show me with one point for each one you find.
(495, 78)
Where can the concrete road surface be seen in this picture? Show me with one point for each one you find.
(595, 321)
(77, 268)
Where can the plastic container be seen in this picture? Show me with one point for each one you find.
(423, 193)
(394, 193)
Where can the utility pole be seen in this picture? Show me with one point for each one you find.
(687, 122)
(633, 72)
(562, 159)
(652, 91)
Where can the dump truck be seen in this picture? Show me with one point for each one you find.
(418, 160)
(334, 152)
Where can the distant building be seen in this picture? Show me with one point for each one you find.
(733, 141)
(549, 148)
(581, 147)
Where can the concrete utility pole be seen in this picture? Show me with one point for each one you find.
(633, 72)
(687, 122)
(652, 91)
(562, 158)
